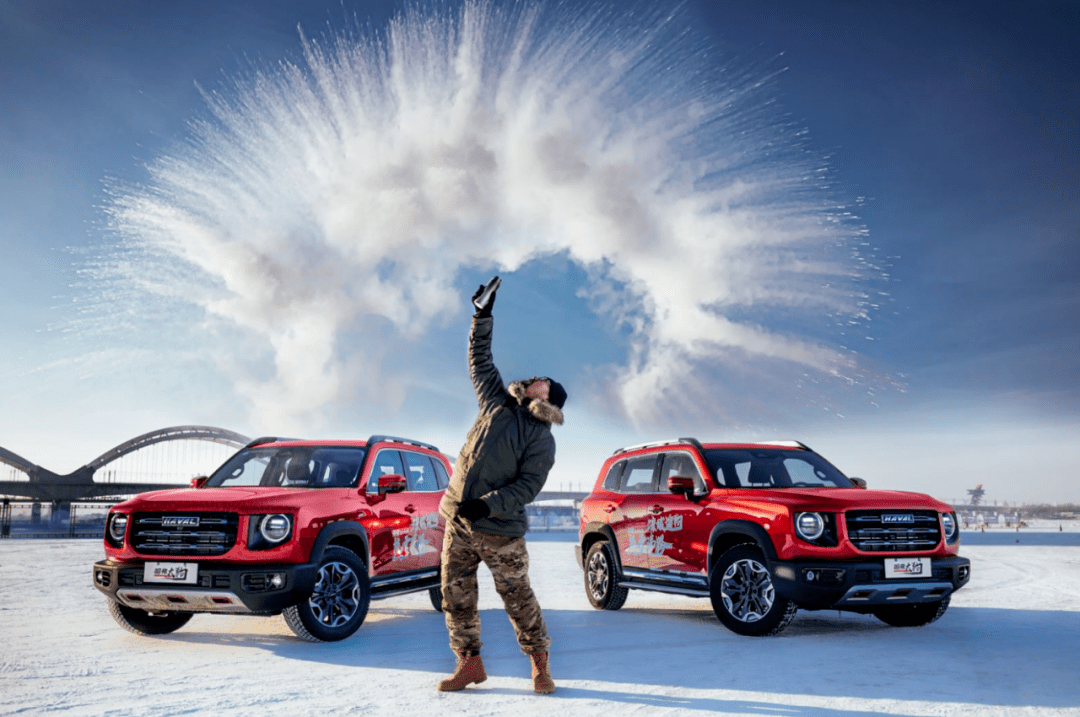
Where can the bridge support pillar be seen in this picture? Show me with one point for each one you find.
(35, 513)
(59, 514)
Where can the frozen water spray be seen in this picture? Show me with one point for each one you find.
(323, 209)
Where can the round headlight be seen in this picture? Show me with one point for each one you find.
(809, 526)
(117, 527)
(275, 528)
(948, 522)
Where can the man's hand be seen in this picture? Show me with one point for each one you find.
(486, 311)
(474, 509)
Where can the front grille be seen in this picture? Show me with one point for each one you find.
(870, 532)
(158, 534)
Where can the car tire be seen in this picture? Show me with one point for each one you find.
(435, 594)
(602, 578)
(743, 595)
(142, 622)
(912, 615)
(339, 603)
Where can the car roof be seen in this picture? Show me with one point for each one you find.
(346, 443)
(786, 445)
(291, 442)
(693, 442)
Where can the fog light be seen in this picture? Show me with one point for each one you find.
(810, 576)
(277, 580)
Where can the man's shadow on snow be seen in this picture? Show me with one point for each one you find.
(986, 656)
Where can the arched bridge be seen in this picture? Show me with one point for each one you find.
(45, 485)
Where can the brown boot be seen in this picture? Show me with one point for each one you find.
(542, 681)
(469, 670)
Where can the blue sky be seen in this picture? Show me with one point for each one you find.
(947, 130)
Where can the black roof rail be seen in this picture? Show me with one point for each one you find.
(793, 444)
(668, 442)
(378, 438)
(268, 439)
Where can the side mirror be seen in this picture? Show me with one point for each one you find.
(391, 483)
(199, 482)
(681, 485)
(859, 482)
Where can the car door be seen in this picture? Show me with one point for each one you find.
(677, 528)
(388, 534)
(634, 496)
(425, 488)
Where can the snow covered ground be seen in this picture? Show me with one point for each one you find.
(1009, 645)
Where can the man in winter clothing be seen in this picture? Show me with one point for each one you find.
(502, 466)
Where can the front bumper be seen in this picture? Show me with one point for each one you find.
(220, 588)
(854, 585)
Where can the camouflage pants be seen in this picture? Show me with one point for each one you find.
(508, 560)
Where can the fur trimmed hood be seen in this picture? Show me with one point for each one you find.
(541, 410)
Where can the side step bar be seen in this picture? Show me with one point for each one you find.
(392, 585)
(666, 582)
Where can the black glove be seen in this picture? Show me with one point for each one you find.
(486, 311)
(474, 509)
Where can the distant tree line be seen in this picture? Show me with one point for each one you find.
(1051, 512)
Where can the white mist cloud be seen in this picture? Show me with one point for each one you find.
(346, 194)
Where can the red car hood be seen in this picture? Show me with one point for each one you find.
(242, 500)
(838, 499)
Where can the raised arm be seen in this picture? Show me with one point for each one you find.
(485, 377)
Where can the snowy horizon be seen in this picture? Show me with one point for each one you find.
(1006, 646)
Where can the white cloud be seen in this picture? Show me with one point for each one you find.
(347, 194)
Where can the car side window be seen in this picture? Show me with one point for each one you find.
(441, 477)
(611, 480)
(681, 464)
(639, 475)
(420, 473)
(387, 462)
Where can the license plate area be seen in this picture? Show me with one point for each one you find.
(169, 572)
(907, 567)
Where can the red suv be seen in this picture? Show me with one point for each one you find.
(313, 530)
(763, 529)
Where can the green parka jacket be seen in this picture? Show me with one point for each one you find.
(509, 450)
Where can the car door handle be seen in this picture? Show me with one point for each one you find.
(609, 508)
(410, 508)
(656, 509)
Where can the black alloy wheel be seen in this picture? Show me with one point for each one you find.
(743, 595)
(601, 578)
(338, 605)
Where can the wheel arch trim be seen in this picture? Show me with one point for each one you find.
(594, 533)
(743, 531)
(342, 533)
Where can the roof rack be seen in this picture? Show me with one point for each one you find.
(669, 442)
(792, 444)
(268, 439)
(378, 438)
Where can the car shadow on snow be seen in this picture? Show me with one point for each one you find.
(988, 656)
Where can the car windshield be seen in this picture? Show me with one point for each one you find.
(773, 468)
(291, 467)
